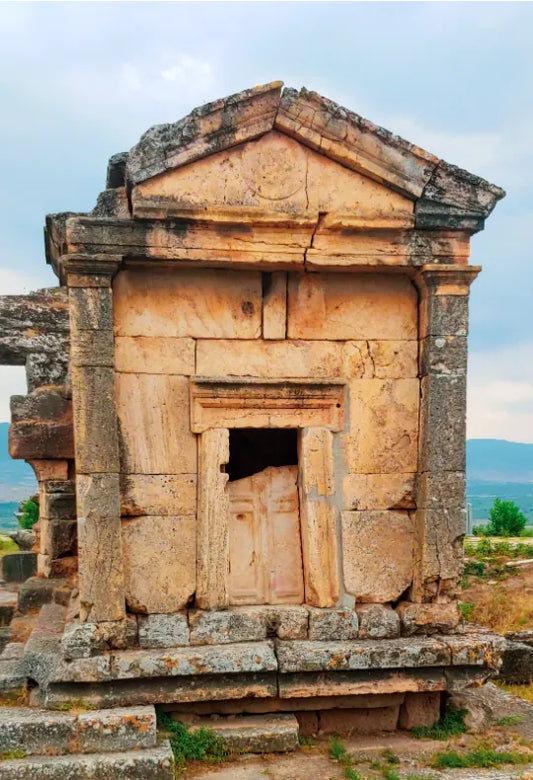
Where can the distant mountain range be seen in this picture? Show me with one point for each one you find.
(495, 469)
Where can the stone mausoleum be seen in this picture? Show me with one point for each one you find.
(246, 414)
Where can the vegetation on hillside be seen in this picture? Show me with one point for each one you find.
(28, 513)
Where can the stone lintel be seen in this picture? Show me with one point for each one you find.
(446, 279)
(232, 402)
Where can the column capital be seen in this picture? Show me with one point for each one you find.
(89, 270)
(446, 279)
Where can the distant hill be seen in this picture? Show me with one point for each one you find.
(497, 460)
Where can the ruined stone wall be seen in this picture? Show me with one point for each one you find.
(171, 325)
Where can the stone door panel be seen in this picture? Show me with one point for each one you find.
(264, 538)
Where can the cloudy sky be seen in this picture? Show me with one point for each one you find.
(81, 81)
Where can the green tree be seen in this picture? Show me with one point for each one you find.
(28, 513)
(505, 519)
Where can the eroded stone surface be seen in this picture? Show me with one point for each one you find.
(377, 621)
(378, 549)
(163, 630)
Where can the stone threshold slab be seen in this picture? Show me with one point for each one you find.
(405, 653)
(467, 650)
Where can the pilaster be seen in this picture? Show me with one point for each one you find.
(101, 575)
(441, 502)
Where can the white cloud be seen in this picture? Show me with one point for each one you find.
(12, 382)
(18, 282)
(500, 394)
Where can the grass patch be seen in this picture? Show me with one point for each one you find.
(481, 757)
(511, 720)
(338, 753)
(12, 754)
(198, 745)
(7, 545)
(390, 774)
(451, 724)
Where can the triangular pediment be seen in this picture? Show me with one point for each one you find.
(272, 174)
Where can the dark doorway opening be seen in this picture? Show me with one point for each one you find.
(252, 450)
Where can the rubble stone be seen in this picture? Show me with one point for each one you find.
(169, 630)
(377, 621)
(438, 618)
(330, 624)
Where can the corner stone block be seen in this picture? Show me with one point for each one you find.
(93, 348)
(79, 640)
(443, 423)
(443, 355)
(377, 621)
(101, 575)
(170, 630)
(439, 534)
(378, 549)
(438, 489)
(445, 315)
(91, 308)
(159, 562)
(332, 624)
(441, 618)
(95, 419)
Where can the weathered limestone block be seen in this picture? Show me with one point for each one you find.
(378, 549)
(444, 315)
(354, 141)
(366, 654)
(384, 433)
(318, 517)
(34, 330)
(79, 640)
(274, 325)
(117, 729)
(443, 423)
(287, 622)
(95, 420)
(101, 575)
(152, 355)
(441, 618)
(443, 355)
(329, 624)
(159, 562)
(344, 306)
(212, 587)
(267, 733)
(46, 404)
(439, 551)
(34, 440)
(379, 491)
(441, 489)
(163, 630)
(390, 359)
(207, 129)
(275, 359)
(248, 657)
(112, 202)
(92, 348)
(213, 304)
(155, 431)
(50, 469)
(359, 721)
(58, 537)
(234, 625)
(117, 634)
(419, 709)
(377, 621)
(91, 308)
(158, 494)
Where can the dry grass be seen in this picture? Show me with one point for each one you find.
(495, 608)
(524, 691)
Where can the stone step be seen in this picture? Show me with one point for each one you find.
(273, 733)
(38, 732)
(149, 764)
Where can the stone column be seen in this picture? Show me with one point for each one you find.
(101, 576)
(441, 502)
(318, 517)
(212, 561)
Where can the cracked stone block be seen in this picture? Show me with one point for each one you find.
(420, 709)
(377, 621)
(428, 618)
(118, 729)
(329, 624)
(163, 630)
